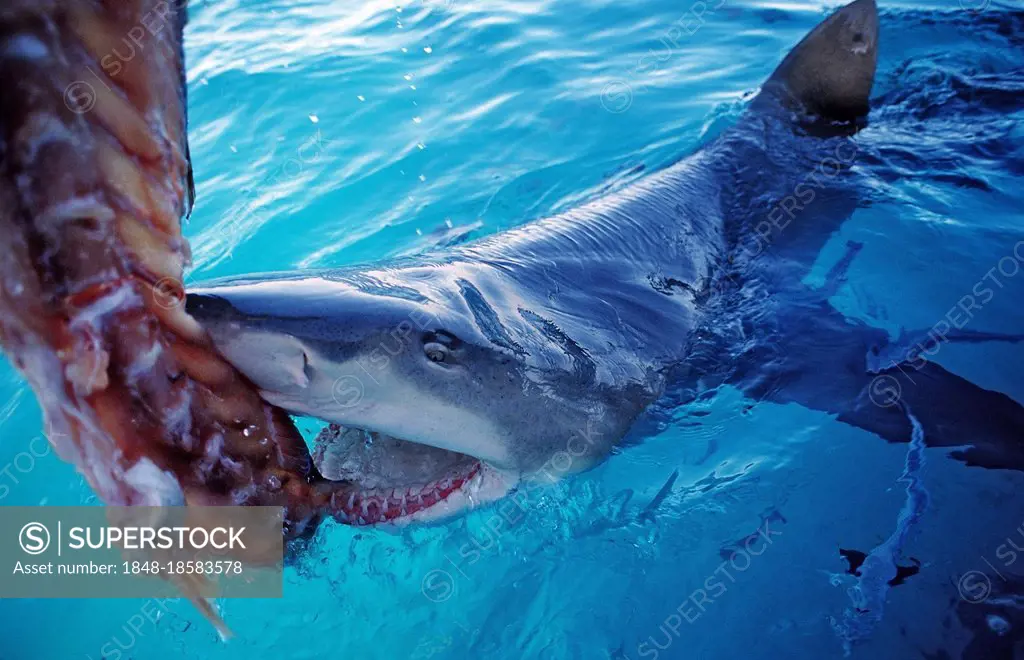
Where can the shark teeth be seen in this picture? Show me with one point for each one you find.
(373, 505)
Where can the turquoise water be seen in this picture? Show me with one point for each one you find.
(330, 133)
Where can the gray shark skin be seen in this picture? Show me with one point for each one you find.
(477, 365)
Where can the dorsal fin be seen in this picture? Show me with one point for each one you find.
(830, 72)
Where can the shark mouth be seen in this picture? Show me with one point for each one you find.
(396, 481)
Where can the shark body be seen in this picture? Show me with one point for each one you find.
(449, 377)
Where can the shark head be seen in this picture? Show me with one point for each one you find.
(432, 382)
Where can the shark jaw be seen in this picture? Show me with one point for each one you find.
(396, 482)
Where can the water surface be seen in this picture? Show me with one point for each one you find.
(331, 133)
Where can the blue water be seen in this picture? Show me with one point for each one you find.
(327, 133)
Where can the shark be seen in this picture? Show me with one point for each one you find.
(450, 377)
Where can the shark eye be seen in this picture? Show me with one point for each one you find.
(439, 345)
(436, 352)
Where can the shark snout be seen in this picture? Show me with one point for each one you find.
(273, 361)
(398, 365)
(287, 335)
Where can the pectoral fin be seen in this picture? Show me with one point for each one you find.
(822, 363)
